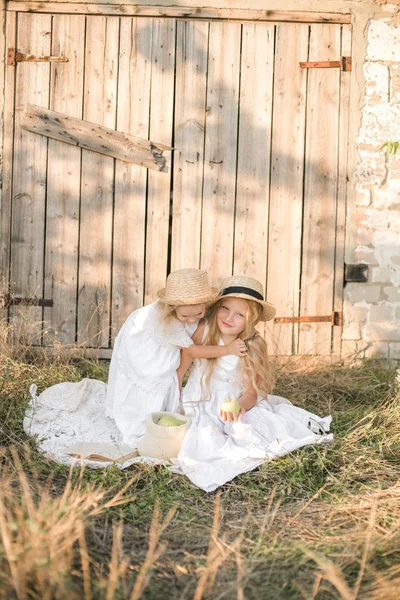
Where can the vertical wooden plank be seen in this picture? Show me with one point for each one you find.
(254, 147)
(100, 91)
(320, 191)
(63, 181)
(161, 120)
(286, 193)
(131, 180)
(220, 150)
(190, 91)
(7, 130)
(30, 162)
(342, 183)
(3, 274)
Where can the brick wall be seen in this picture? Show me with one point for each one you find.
(372, 310)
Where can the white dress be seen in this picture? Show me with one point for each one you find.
(214, 452)
(142, 377)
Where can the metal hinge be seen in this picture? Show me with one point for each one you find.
(336, 318)
(13, 56)
(344, 64)
(8, 300)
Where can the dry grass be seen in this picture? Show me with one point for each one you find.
(40, 535)
(321, 523)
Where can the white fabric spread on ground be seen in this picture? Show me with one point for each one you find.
(68, 413)
(212, 453)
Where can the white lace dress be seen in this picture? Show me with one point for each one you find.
(214, 452)
(142, 377)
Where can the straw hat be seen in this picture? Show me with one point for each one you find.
(160, 441)
(187, 286)
(241, 286)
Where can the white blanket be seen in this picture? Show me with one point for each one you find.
(212, 453)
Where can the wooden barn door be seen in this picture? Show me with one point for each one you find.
(260, 168)
(256, 182)
(88, 234)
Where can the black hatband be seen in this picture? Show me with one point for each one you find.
(238, 289)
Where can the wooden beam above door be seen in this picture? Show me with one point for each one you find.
(180, 12)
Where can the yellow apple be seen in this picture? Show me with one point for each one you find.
(169, 421)
(230, 406)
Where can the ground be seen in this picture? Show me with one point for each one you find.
(321, 523)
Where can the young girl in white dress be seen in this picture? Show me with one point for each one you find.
(143, 371)
(219, 444)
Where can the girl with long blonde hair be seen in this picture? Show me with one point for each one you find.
(227, 438)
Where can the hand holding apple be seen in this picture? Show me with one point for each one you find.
(230, 410)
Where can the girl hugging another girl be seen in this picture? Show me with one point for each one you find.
(221, 444)
(143, 374)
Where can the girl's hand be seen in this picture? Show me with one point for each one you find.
(231, 417)
(237, 347)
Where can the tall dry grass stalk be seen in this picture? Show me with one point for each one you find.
(41, 534)
(218, 553)
(25, 337)
(155, 549)
(364, 528)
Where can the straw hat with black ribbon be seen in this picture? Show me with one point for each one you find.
(186, 287)
(241, 286)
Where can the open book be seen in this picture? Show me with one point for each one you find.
(101, 452)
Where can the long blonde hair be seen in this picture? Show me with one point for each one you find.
(167, 312)
(255, 367)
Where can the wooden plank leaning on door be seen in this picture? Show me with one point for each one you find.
(29, 177)
(161, 120)
(131, 180)
(320, 191)
(190, 112)
(220, 150)
(287, 161)
(254, 147)
(100, 93)
(63, 182)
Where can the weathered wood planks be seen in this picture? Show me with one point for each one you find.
(220, 150)
(254, 148)
(29, 174)
(320, 191)
(287, 166)
(344, 106)
(129, 224)
(240, 14)
(94, 137)
(249, 190)
(190, 116)
(7, 126)
(97, 183)
(63, 182)
(161, 127)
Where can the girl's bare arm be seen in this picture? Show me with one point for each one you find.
(248, 399)
(186, 361)
(186, 358)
